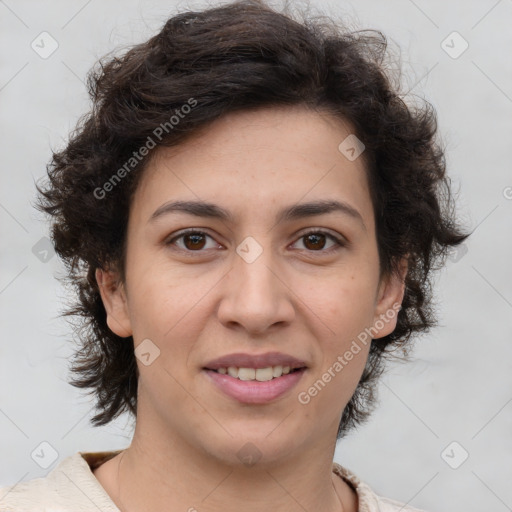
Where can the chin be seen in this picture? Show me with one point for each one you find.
(254, 444)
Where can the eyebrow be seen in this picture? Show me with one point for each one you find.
(293, 212)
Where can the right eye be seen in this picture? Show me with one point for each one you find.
(193, 240)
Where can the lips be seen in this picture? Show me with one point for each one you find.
(242, 360)
(255, 379)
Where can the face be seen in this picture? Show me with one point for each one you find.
(260, 282)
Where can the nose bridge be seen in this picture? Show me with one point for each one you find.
(253, 264)
(255, 296)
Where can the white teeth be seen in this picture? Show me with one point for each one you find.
(246, 373)
(264, 374)
(259, 374)
(277, 371)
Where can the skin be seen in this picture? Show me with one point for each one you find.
(298, 297)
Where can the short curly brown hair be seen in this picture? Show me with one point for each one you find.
(242, 56)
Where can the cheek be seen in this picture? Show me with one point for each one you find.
(342, 355)
(163, 296)
(347, 308)
(348, 304)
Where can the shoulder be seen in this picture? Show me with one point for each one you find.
(25, 496)
(368, 500)
(388, 505)
(69, 487)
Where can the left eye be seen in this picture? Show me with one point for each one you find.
(194, 240)
(317, 238)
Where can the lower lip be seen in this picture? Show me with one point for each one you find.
(253, 391)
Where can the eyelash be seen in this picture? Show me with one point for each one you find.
(339, 243)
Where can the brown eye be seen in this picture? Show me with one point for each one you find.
(315, 241)
(192, 240)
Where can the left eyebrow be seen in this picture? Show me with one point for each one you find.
(293, 212)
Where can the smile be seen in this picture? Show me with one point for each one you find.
(255, 385)
(259, 374)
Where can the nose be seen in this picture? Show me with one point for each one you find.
(255, 295)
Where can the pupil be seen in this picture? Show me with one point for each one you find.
(317, 238)
(195, 240)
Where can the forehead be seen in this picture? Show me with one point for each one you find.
(248, 159)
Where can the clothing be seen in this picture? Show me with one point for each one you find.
(72, 487)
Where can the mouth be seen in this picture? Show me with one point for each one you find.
(256, 374)
(255, 385)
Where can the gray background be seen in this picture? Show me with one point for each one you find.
(458, 388)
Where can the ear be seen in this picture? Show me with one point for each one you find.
(389, 300)
(114, 300)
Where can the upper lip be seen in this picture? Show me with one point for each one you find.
(242, 360)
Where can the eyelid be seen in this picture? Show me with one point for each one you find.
(179, 234)
(335, 235)
(339, 240)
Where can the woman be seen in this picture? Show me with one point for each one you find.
(251, 216)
